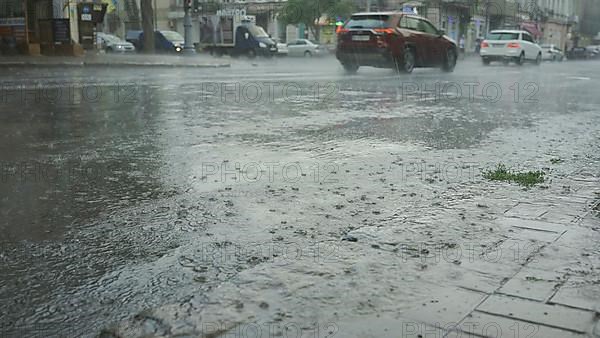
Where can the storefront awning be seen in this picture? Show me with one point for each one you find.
(531, 28)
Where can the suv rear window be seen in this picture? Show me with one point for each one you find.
(503, 36)
(368, 21)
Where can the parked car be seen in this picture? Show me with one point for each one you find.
(393, 40)
(282, 49)
(164, 41)
(581, 53)
(305, 47)
(114, 44)
(594, 51)
(510, 45)
(551, 53)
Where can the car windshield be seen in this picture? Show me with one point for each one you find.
(502, 36)
(257, 31)
(172, 36)
(368, 21)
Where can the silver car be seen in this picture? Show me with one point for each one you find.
(305, 47)
(114, 44)
(282, 49)
(552, 53)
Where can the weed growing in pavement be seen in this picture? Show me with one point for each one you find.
(556, 160)
(528, 179)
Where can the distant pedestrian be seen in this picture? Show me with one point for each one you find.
(461, 46)
(478, 42)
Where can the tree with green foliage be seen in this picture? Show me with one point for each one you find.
(308, 12)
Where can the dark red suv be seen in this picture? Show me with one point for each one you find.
(393, 40)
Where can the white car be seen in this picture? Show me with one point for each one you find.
(305, 47)
(114, 44)
(510, 45)
(282, 49)
(552, 53)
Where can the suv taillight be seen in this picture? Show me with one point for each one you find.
(513, 45)
(485, 44)
(341, 30)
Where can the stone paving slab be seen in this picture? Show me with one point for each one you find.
(528, 210)
(384, 326)
(580, 293)
(533, 284)
(561, 259)
(581, 239)
(556, 316)
(526, 238)
(486, 325)
(560, 215)
(445, 305)
(532, 224)
(466, 277)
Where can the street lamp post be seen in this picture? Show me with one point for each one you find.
(487, 17)
(188, 47)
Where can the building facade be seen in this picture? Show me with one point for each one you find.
(266, 13)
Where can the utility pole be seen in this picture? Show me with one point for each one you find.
(487, 17)
(188, 47)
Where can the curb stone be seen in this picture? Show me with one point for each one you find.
(109, 64)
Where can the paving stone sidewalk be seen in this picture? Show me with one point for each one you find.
(552, 292)
(104, 60)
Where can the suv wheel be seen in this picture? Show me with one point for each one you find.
(450, 61)
(486, 62)
(350, 68)
(521, 59)
(307, 54)
(538, 60)
(408, 62)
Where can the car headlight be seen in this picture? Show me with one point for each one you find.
(119, 47)
(178, 49)
(262, 45)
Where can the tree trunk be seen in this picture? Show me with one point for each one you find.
(316, 31)
(148, 25)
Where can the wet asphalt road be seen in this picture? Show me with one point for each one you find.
(128, 190)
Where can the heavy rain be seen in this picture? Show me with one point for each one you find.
(265, 169)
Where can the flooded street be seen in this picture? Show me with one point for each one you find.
(283, 197)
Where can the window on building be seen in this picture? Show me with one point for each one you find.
(11, 9)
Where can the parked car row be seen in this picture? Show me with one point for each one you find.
(164, 41)
(584, 53)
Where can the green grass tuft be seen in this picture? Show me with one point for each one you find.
(528, 179)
